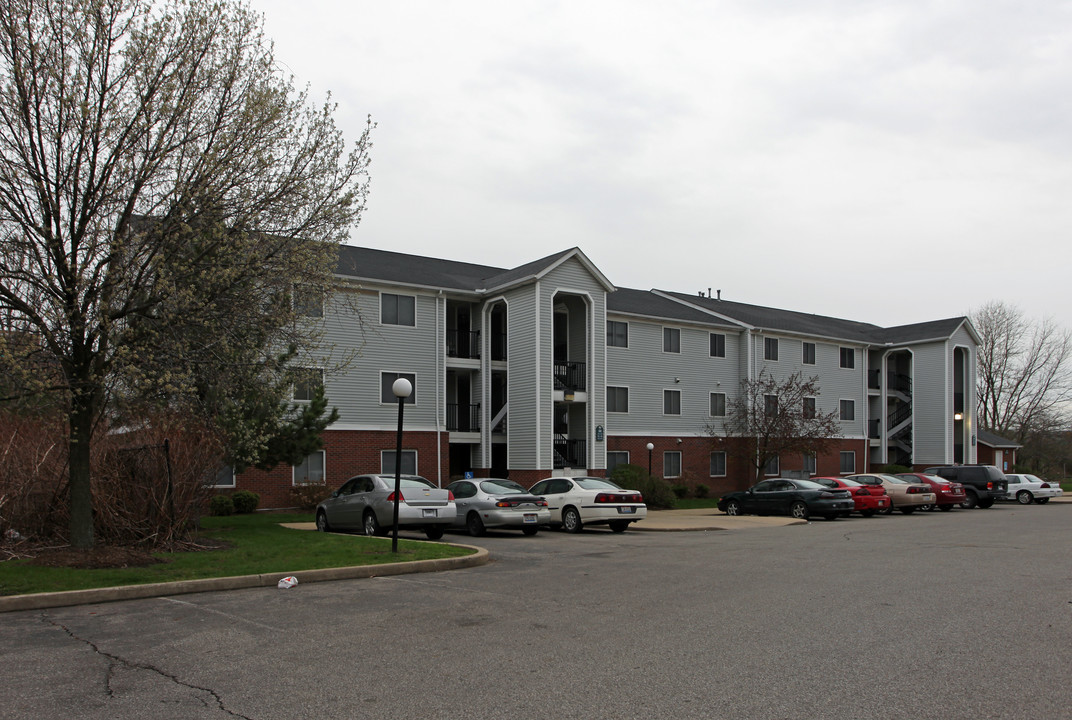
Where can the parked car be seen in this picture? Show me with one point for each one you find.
(947, 493)
(495, 503)
(983, 484)
(1024, 488)
(576, 502)
(784, 496)
(366, 503)
(868, 499)
(904, 495)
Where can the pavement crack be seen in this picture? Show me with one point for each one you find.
(115, 661)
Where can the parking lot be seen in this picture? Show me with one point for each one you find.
(953, 615)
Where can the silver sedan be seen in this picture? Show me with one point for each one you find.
(494, 503)
(366, 503)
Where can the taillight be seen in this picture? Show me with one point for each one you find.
(391, 498)
(450, 496)
(863, 491)
(916, 489)
(540, 503)
(990, 486)
(618, 498)
(504, 503)
(1045, 485)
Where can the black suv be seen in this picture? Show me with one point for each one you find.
(983, 484)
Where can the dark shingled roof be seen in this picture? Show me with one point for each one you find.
(989, 438)
(361, 263)
(648, 304)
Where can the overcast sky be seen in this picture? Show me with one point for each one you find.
(889, 162)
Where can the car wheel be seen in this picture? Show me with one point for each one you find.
(530, 530)
(945, 508)
(888, 510)
(322, 522)
(733, 508)
(970, 502)
(1024, 497)
(867, 513)
(799, 510)
(571, 520)
(370, 524)
(433, 533)
(908, 509)
(925, 508)
(1041, 501)
(984, 504)
(474, 524)
(619, 525)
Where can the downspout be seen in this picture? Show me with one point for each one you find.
(440, 385)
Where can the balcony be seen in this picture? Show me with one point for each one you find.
(570, 453)
(570, 376)
(463, 344)
(463, 418)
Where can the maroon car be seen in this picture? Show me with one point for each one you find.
(868, 499)
(946, 493)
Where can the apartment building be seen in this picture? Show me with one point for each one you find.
(550, 368)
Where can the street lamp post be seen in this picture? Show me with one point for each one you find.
(651, 447)
(402, 388)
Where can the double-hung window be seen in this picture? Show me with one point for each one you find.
(770, 349)
(671, 340)
(617, 399)
(848, 410)
(672, 464)
(306, 382)
(398, 309)
(848, 358)
(718, 345)
(387, 395)
(671, 402)
(617, 334)
(808, 357)
(718, 404)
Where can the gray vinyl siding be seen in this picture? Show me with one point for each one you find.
(647, 371)
(522, 384)
(932, 403)
(352, 328)
(835, 382)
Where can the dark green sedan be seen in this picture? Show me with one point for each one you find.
(785, 496)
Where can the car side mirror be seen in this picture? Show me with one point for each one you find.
(335, 494)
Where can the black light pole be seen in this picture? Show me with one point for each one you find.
(650, 448)
(402, 388)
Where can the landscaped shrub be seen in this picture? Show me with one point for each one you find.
(701, 491)
(308, 495)
(245, 501)
(656, 491)
(221, 505)
(680, 491)
(894, 469)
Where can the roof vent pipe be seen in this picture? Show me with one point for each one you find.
(719, 298)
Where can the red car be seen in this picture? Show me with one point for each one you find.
(869, 499)
(946, 493)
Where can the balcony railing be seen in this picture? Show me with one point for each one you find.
(570, 452)
(463, 344)
(570, 376)
(463, 418)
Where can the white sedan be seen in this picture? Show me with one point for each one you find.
(1025, 488)
(578, 501)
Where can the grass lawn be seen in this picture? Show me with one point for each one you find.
(255, 544)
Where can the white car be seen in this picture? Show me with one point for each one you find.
(1025, 488)
(578, 501)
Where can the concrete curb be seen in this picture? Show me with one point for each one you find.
(39, 601)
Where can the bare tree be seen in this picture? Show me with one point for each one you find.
(772, 417)
(1024, 372)
(117, 111)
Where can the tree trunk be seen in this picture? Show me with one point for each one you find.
(81, 495)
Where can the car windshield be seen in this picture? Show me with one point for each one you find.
(809, 485)
(828, 482)
(595, 484)
(502, 487)
(851, 483)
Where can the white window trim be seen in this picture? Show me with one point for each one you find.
(680, 469)
(814, 462)
(679, 409)
(847, 472)
(397, 325)
(294, 387)
(324, 465)
(416, 461)
(725, 403)
(815, 353)
(621, 347)
(850, 349)
(394, 400)
(620, 452)
(672, 329)
(810, 397)
(234, 479)
(723, 355)
(778, 467)
(725, 463)
(842, 400)
(627, 394)
(777, 349)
